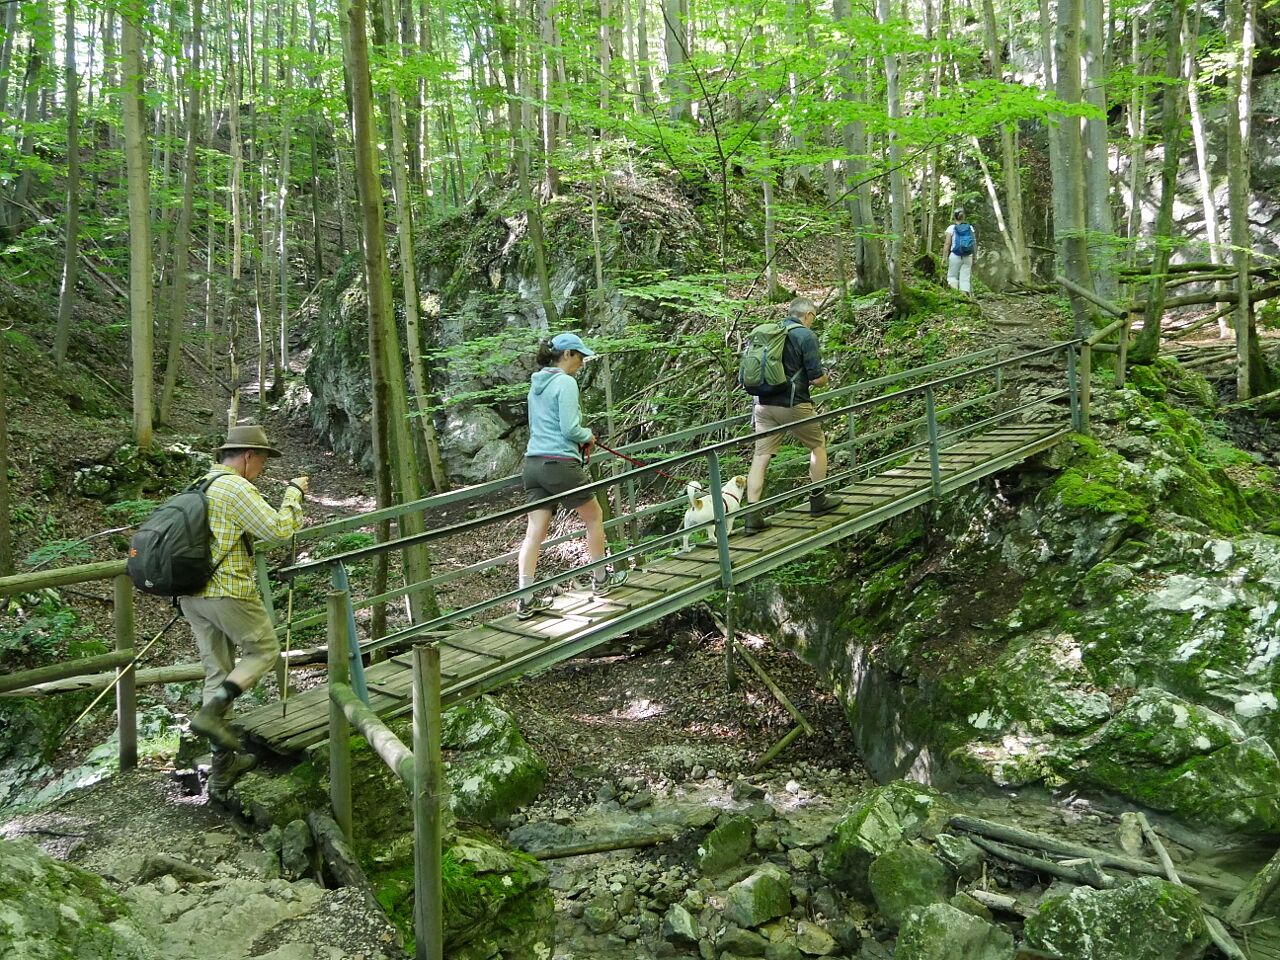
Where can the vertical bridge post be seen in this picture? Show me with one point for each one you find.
(339, 728)
(428, 796)
(126, 686)
(935, 464)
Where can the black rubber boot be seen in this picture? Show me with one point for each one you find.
(754, 523)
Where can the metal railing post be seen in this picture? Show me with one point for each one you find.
(264, 588)
(1122, 351)
(1086, 379)
(355, 665)
(428, 796)
(935, 465)
(722, 533)
(126, 686)
(1073, 384)
(339, 727)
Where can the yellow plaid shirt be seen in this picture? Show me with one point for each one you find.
(235, 508)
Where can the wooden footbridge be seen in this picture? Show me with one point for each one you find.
(934, 430)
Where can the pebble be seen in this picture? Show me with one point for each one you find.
(698, 772)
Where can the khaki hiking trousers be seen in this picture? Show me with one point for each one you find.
(223, 625)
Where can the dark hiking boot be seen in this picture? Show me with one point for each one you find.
(754, 523)
(228, 767)
(820, 503)
(208, 722)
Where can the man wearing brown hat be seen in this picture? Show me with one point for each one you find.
(228, 615)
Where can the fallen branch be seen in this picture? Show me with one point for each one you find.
(1182, 332)
(602, 846)
(1221, 939)
(1025, 838)
(1085, 872)
(1000, 902)
(339, 858)
(1255, 893)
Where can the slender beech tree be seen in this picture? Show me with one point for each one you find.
(71, 244)
(1137, 130)
(393, 445)
(1251, 372)
(139, 190)
(1097, 156)
(1012, 170)
(897, 182)
(1212, 225)
(675, 17)
(176, 304)
(6, 537)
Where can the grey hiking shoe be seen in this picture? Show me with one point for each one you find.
(820, 502)
(228, 767)
(601, 587)
(526, 607)
(754, 523)
(208, 722)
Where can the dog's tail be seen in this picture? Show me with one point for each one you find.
(693, 490)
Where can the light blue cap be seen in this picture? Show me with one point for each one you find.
(571, 341)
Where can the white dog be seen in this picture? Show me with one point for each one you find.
(702, 510)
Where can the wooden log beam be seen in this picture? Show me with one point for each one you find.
(42, 579)
(78, 667)
(1089, 295)
(1038, 841)
(1255, 893)
(151, 676)
(1084, 872)
(1221, 939)
(603, 846)
(389, 747)
(1001, 903)
(339, 859)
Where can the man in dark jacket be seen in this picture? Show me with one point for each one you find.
(787, 406)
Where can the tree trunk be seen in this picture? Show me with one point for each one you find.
(1213, 230)
(139, 184)
(1251, 373)
(176, 308)
(1015, 231)
(1097, 156)
(70, 251)
(393, 446)
(6, 537)
(1137, 121)
(546, 74)
(897, 186)
(9, 24)
(675, 17)
(1147, 345)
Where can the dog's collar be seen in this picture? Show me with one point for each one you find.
(737, 500)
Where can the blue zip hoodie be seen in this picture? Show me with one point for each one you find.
(555, 422)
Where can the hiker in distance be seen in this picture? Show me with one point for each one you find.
(780, 404)
(960, 250)
(554, 462)
(228, 615)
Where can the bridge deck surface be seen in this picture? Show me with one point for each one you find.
(482, 657)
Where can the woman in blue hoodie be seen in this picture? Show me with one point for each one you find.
(553, 464)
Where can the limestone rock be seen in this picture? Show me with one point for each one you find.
(1148, 919)
(941, 932)
(467, 429)
(50, 910)
(498, 903)
(961, 854)
(906, 880)
(679, 926)
(813, 941)
(726, 845)
(878, 822)
(759, 898)
(743, 943)
(295, 850)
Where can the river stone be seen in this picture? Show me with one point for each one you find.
(726, 845)
(494, 771)
(759, 898)
(812, 940)
(881, 820)
(679, 926)
(1147, 919)
(600, 915)
(961, 854)
(468, 429)
(50, 910)
(1181, 757)
(743, 943)
(782, 950)
(906, 880)
(941, 932)
(295, 850)
(499, 903)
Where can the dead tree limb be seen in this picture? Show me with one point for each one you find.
(1255, 893)
(1084, 872)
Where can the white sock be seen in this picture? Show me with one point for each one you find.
(524, 581)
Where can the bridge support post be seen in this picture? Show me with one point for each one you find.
(730, 643)
(1073, 384)
(935, 465)
(126, 686)
(339, 727)
(1086, 379)
(355, 665)
(428, 795)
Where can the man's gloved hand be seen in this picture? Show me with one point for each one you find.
(302, 483)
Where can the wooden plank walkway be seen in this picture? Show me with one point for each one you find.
(480, 658)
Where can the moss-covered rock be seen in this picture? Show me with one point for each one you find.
(1148, 919)
(906, 880)
(50, 910)
(882, 820)
(942, 932)
(759, 898)
(491, 770)
(726, 845)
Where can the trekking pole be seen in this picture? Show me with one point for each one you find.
(120, 675)
(288, 632)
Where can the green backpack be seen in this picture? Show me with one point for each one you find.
(760, 369)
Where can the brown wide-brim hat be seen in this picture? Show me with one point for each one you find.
(249, 436)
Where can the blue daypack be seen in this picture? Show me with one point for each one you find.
(962, 240)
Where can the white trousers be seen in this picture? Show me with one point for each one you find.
(960, 272)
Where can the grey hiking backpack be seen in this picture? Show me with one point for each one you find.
(171, 555)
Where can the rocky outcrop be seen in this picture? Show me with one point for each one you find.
(1104, 617)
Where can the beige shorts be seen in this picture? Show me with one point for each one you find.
(767, 418)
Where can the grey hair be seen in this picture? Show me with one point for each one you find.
(959, 214)
(801, 306)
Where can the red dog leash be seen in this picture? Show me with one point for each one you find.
(631, 460)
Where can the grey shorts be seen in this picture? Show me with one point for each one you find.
(548, 477)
